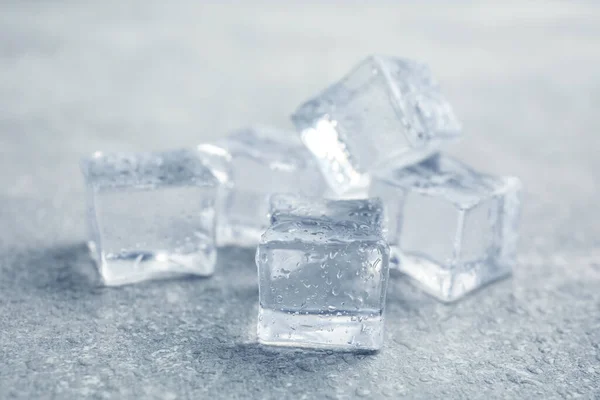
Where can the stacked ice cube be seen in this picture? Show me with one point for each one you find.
(386, 110)
(450, 228)
(322, 264)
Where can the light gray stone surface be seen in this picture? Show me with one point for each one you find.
(82, 76)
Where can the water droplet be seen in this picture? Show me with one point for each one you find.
(331, 308)
(340, 274)
(279, 299)
(335, 290)
(285, 272)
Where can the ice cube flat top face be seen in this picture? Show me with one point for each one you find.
(112, 171)
(322, 284)
(299, 228)
(453, 230)
(385, 108)
(443, 176)
(294, 207)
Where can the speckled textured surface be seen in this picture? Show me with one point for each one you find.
(79, 77)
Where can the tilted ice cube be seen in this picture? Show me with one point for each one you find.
(385, 109)
(451, 229)
(323, 267)
(152, 215)
(257, 162)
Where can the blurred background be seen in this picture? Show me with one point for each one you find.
(76, 77)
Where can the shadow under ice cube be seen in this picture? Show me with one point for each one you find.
(254, 163)
(386, 109)
(450, 228)
(152, 215)
(323, 269)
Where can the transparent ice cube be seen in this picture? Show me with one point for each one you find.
(255, 163)
(323, 268)
(152, 215)
(450, 228)
(385, 109)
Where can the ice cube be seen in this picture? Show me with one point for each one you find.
(385, 109)
(323, 268)
(257, 162)
(450, 228)
(152, 215)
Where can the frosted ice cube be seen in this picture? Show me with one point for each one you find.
(255, 163)
(152, 215)
(323, 269)
(450, 228)
(385, 109)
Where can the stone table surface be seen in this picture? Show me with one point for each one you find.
(82, 76)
